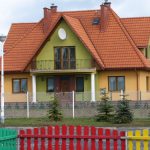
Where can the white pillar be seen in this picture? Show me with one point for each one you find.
(73, 103)
(93, 87)
(34, 88)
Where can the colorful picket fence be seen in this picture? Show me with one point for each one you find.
(71, 137)
(8, 139)
(141, 138)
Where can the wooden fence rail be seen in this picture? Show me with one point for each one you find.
(71, 137)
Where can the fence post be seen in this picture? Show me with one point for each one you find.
(28, 105)
(121, 94)
(110, 95)
(126, 135)
(73, 104)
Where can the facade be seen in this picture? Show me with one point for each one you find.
(81, 51)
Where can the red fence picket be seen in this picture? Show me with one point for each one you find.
(107, 139)
(86, 133)
(64, 133)
(21, 133)
(43, 139)
(57, 137)
(87, 138)
(78, 139)
(100, 133)
(122, 134)
(50, 131)
(29, 132)
(71, 133)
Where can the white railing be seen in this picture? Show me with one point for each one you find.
(78, 96)
(74, 104)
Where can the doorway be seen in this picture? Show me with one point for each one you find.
(65, 84)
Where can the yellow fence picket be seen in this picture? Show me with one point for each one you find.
(130, 143)
(145, 134)
(140, 135)
(138, 141)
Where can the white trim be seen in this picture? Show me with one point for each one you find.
(93, 87)
(34, 88)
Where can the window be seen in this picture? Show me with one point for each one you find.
(116, 83)
(50, 84)
(144, 51)
(64, 58)
(80, 84)
(96, 21)
(19, 85)
(148, 83)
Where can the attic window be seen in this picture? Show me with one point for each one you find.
(144, 52)
(96, 21)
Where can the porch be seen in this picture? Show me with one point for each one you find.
(46, 87)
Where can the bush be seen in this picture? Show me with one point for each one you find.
(105, 109)
(123, 113)
(54, 113)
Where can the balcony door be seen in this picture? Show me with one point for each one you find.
(65, 58)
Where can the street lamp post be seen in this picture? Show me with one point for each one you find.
(2, 40)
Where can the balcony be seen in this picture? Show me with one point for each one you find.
(46, 65)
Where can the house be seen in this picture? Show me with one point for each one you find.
(81, 51)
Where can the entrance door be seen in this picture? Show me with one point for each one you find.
(65, 87)
(65, 84)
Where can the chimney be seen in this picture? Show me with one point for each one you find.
(53, 8)
(48, 12)
(104, 15)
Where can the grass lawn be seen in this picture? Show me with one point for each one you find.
(37, 122)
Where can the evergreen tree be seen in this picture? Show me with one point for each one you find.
(105, 109)
(123, 113)
(54, 113)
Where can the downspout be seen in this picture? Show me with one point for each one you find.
(137, 83)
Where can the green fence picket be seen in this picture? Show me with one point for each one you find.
(8, 139)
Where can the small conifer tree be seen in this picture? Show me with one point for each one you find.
(105, 109)
(54, 113)
(123, 112)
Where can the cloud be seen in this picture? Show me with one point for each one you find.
(31, 10)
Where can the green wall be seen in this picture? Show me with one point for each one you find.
(148, 52)
(42, 95)
(47, 53)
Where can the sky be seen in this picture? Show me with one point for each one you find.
(15, 11)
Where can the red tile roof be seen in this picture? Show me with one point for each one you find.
(116, 48)
(139, 29)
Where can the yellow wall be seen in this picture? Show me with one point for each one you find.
(130, 83)
(16, 97)
(130, 80)
(102, 82)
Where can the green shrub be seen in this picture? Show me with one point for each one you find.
(123, 112)
(105, 109)
(54, 113)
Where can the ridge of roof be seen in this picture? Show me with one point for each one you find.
(81, 38)
(15, 23)
(141, 57)
(76, 11)
(19, 40)
(93, 44)
(61, 15)
(23, 35)
(135, 17)
(43, 41)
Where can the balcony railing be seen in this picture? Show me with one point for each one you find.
(62, 65)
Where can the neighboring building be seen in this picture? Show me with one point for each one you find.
(82, 51)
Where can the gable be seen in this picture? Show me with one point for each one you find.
(47, 52)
